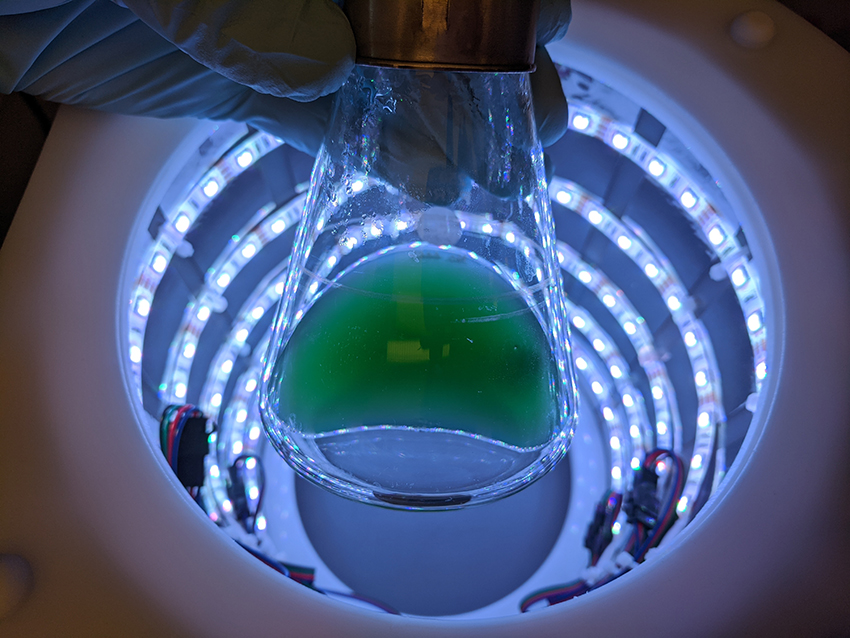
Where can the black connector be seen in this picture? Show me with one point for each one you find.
(236, 494)
(599, 534)
(193, 447)
(642, 502)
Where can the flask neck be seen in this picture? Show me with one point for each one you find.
(434, 134)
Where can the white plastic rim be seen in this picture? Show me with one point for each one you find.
(116, 546)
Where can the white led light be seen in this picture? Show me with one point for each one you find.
(624, 242)
(629, 327)
(761, 370)
(579, 322)
(278, 226)
(159, 263)
(716, 236)
(250, 463)
(563, 197)
(227, 366)
(180, 390)
(700, 378)
(690, 339)
(580, 122)
(226, 505)
(585, 277)
(657, 392)
(182, 223)
(254, 492)
(211, 188)
(754, 321)
(189, 350)
(661, 428)
(608, 415)
(251, 385)
(688, 199)
(581, 364)
(258, 312)
(635, 463)
(320, 224)
(278, 288)
(682, 505)
(628, 401)
(375, 230)
(261, 522)
(615, 528)
(634, 431)
(696, 462)
(215, 400)
(356, 186)
(597, 387)
(249, 251)
(203, 313)
(350, 242)
(401, 225)
(143, 307)
(739, 276)
(254, 433)
(609, 300)
(486, 229)
(656, 168)
(510, 237)
(214, 471)
(598, 345)
(651, 270)
(616, 372)
(594, 217)
(704, 419)
(245, 158)
(619, 141)
(242, 334)
(237, 447)
(615, 443)
(241, 415)
(561, 257)
(673, 303)
(223, 280)
(135, 354)
(616, 473)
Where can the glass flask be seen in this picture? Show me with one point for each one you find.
(420, 355)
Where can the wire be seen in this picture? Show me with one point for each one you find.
(650, 523)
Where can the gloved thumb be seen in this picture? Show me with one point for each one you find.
(300, 49)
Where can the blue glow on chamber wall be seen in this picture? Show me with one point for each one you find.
(621, 406)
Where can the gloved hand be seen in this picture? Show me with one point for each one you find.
(254, 61)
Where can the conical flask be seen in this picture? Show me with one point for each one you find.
(420, 355)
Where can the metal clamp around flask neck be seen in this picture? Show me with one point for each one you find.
(448, 35)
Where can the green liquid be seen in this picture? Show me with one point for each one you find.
(426, 339)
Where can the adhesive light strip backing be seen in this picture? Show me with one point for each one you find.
(239, 418)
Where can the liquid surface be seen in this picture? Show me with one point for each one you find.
(420, 338)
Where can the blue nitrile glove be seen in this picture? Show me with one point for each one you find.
(255, 61)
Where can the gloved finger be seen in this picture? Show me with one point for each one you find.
(301, 49)
(550, 104)
(555, 16)
(99, 55)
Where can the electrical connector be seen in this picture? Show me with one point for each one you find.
(193, 447)
(642, 502)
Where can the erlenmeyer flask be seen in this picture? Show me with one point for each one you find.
(421, 357)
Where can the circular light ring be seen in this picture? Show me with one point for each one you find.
(717, 232)
(258, 233)
(171, 234)
(665, 406)
(635, 244)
